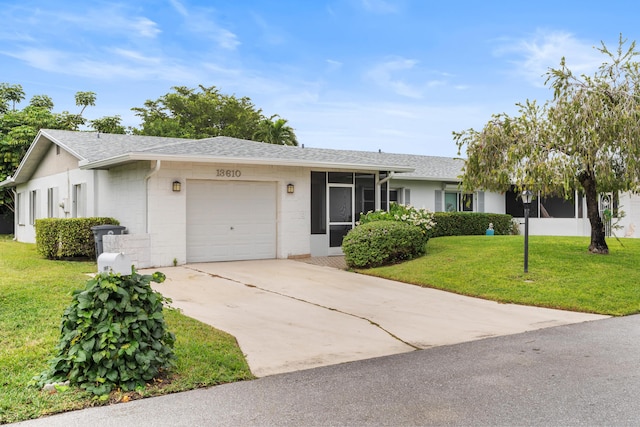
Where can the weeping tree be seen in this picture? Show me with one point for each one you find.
(587, 138)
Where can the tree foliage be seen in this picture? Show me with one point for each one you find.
(108, 124)
(205, 112)
(275, 130)
(18, 128)
(585, 139)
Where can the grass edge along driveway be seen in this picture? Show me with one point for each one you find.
(33, 295)
(562, 273)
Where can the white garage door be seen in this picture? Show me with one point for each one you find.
(230, 220)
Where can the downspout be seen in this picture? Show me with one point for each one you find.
(379, 183)
(146, 189)
(15, 214)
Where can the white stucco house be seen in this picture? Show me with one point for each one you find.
(221, 199)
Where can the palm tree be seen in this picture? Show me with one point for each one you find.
(275, 132)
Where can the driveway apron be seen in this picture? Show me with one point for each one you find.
(288, 315)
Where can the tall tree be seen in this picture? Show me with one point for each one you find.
(199, 113)
(108, 124)
(18, 128)
(10, 93)
(585, 139)
(275, 130)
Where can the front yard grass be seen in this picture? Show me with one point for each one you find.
(562, 273)
(33, 295)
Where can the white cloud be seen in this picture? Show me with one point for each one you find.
(333, 65)
(61, 62)
(179, 7)
(404, 77)
(225, 38)
(145, 27)
(136, 56)
(392, 127)
(544, 50)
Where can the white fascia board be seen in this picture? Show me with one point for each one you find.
(61, 144)
(7, 182)
(131, 157)
(425, 178)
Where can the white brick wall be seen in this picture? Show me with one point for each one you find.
(167, 209)
(135, 246)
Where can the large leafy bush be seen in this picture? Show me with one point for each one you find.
(382, 242)
(58, 238)
(113, 335)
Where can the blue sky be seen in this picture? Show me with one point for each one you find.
(395, 75)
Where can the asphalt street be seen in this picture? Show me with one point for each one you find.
(580, 374)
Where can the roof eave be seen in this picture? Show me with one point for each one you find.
(132, 157)
(8, 183)
(427, 178)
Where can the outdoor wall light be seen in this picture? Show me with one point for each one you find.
(177, 186)
(290, 188)
(527, 195)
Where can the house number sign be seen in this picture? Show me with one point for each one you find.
(229, 173)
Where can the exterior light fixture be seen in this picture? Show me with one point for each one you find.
(290, 188)
(527, 195)
(177, 186)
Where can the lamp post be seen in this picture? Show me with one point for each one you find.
(526, 201)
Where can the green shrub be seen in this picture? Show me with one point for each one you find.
(113, 335)
(382, 242)
(470, 223)
(58, 238)
(421, 218)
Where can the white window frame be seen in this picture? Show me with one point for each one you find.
(33, 207)
(79, 208)
(52, 205)
(20, 208)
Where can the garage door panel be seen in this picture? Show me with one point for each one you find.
(230, 220)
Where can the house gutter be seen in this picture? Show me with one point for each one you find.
(146, 190)
(379, 183)
(15, 216)
(391, 174)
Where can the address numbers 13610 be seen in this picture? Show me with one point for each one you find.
(229, 173)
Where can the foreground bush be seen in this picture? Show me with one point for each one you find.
(381, 243)
(58, 238)
(470, 224)
(113, 335)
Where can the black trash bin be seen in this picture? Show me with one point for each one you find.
(102, 230)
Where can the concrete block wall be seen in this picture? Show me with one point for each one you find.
(136, 246)
(167, 214)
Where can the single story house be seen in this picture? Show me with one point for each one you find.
(221, 199)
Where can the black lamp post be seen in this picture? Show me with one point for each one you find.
(526, 201)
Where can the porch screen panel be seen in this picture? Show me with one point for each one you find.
(318, 203)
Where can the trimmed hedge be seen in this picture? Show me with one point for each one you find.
(470, 223)
(58, 238)
(382, 242)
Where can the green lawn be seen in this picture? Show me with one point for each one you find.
(562, 274)
(33, 295)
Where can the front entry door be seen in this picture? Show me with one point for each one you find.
(341, 218)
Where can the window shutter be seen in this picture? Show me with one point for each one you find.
(407, 196)
(438, 201)
(480, 201)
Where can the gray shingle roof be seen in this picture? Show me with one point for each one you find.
(95, 150)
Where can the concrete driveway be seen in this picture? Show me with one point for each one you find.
(288, 315)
